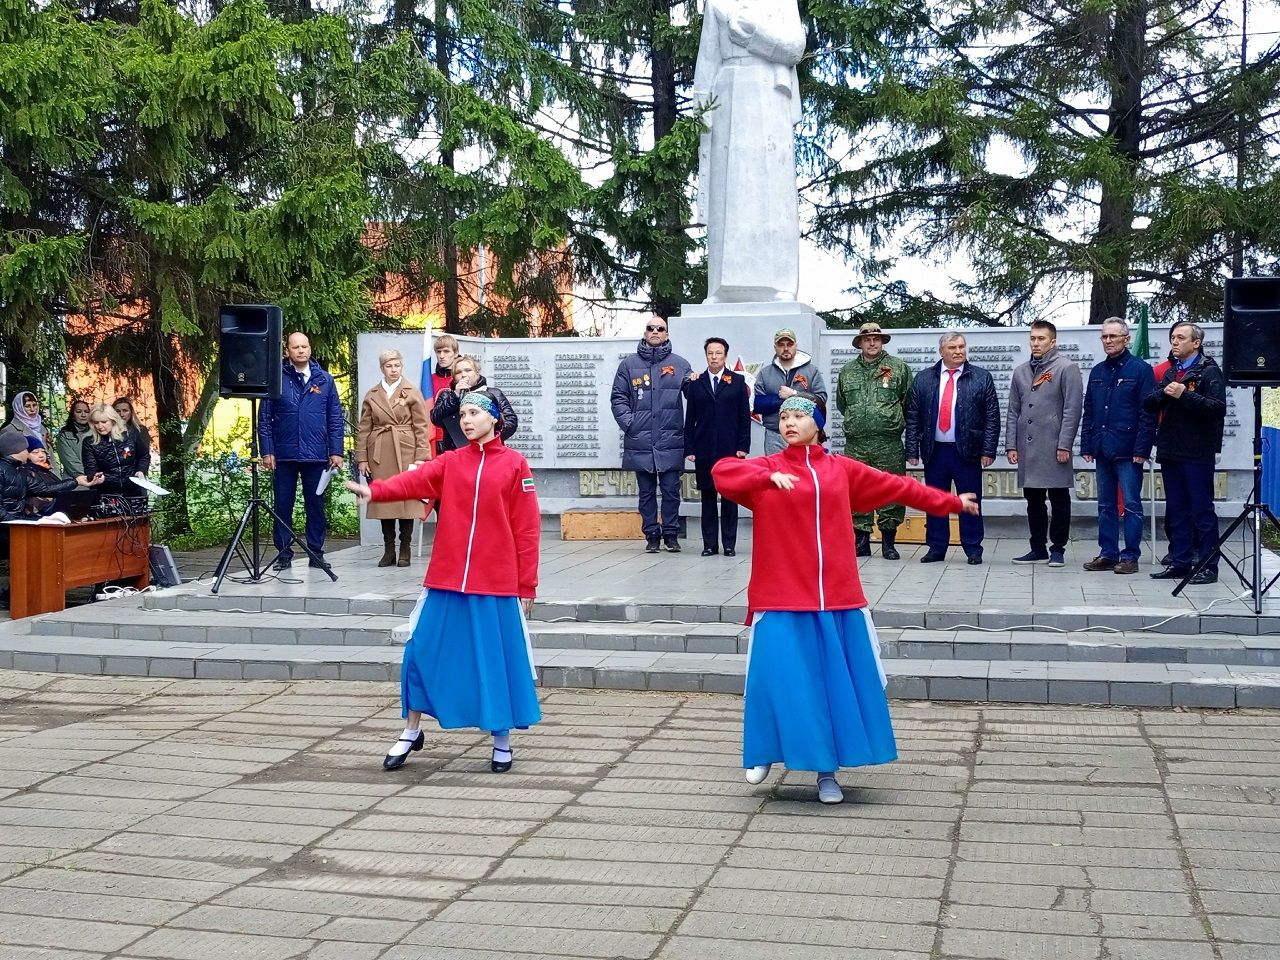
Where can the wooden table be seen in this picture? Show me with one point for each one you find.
(47, 558)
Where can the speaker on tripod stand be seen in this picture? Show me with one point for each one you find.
(249, 366)
(1250, 358)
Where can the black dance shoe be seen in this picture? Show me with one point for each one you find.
(730, 552)
(390, 762)
(501, 766)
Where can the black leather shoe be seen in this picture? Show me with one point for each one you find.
(315, 564)
(393, 763)
(1170, 573)
(730, 552)
(862, 543)
(1205, 576)
(974, 559)
(933, 557)
(282, 563)
(501, 766)
(653, 545)
(672, 544)
(708, 552)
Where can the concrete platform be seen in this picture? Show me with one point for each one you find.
(610, 616)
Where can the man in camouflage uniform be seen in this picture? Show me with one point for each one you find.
(871, 394)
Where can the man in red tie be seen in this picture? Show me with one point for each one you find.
(953, 425)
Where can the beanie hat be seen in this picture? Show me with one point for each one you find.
(34, 443)
(11, 443)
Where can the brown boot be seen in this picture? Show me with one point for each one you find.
(388, 544)
(406, 538)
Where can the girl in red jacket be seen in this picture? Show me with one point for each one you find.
(468, 662)
(815, 695)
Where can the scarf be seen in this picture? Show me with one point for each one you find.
(31, 426)
(1040, 364)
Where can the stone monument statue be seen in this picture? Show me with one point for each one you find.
(746, 162)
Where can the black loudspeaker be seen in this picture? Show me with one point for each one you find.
(1251, 332)
(250, 361)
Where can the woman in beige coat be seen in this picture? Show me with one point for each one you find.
(393, 436)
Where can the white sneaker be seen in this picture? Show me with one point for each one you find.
(757, 774)
(828, 790)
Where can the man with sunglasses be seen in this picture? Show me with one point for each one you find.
(648, 406)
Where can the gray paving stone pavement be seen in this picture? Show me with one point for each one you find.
(190, 820)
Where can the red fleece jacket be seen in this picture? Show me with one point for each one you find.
(802, 553)
(487, 534)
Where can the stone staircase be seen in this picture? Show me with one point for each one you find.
(937, 655)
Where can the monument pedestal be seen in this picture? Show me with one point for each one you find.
(749, 328)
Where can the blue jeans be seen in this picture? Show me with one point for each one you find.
(943, 468)
(284, 485)
(669, 481)
(1123, 473)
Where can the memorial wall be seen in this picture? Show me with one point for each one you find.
(560, 390)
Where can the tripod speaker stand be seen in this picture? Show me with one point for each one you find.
(255, 563)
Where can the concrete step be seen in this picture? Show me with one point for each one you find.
(118, 620)
(1174, 619)
(1010, 681)
(1093, 647)
(122, 621)
(703, 638)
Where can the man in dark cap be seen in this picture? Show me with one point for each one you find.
(871, 394)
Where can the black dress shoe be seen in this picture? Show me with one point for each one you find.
(501, 766)
(1170, 573)
(730, 552)
(708, 552)
(933, 557)
(282, 563)
(315, 564)
(974, 559)
(390, 762)
(1205, 576)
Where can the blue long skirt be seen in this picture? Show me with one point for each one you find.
(468, 662)
(815, 692)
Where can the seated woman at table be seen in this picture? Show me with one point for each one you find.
(44, 483)
(110, 457)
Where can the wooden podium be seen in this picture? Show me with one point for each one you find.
(47, 558)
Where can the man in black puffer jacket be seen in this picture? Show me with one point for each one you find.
(1191, 403)
(648, 405)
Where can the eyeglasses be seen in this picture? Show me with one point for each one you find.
(652, 329)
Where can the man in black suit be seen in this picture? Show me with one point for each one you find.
(717, 424)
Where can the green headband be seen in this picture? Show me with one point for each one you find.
(805, 406)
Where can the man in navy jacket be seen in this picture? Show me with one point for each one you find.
(300, 434)
(1116, 434)
(717, 424)
(953, 425)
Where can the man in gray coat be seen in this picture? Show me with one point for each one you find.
(792, 371)
(1046, 396)
(648, 405)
